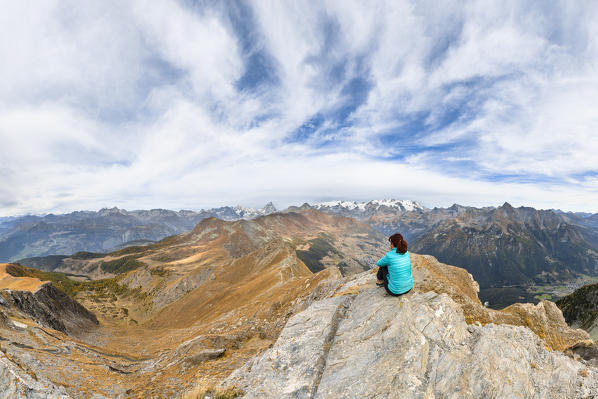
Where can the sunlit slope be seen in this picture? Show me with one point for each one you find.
(221, 292)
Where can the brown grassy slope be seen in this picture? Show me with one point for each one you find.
(244, 280)
(161, 359)
(9, 281)
(223, 286)
(237, 239)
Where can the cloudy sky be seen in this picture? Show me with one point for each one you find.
(192, 104)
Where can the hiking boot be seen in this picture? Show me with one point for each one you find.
(380, 283)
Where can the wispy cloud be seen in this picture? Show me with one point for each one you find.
(193, 104)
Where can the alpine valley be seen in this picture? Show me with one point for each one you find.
(284, 305)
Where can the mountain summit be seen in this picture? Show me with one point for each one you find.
(361, 343)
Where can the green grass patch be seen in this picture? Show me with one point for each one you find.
(547, 297)
(135, 249)
(121, 265)
(159, 271)
(220, 394)
(84, 255)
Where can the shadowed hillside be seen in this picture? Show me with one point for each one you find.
(581, 309)
(508, 246)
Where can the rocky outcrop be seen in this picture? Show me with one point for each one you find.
(417, 346)
(14, 383)
(53, 308)
(438, 341)
(544, 319)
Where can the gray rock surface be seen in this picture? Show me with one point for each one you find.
(14, 383)
(291, 368)
(204, 355)
(371, 345)
(3, 301)
(53, 308)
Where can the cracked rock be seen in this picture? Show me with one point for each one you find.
(414, 346)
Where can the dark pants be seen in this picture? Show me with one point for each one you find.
(383, 275)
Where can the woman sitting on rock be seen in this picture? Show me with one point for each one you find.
(395, 267)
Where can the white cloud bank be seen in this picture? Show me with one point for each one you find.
(139, 105)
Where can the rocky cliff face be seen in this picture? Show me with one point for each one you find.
(52, 308)
(362, 343)
(42, 302)
(34, 316)
(418, 346)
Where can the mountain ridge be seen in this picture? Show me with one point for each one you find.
(101, 231)
(532, 250)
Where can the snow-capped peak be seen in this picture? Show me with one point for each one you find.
(408, 205)
(250, 213)
(404, 205)
(343, 204)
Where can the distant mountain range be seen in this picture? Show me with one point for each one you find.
(361, 210)
(389, 216)
(508, 250)
(105, 230)
(508, 246)
(582, 218)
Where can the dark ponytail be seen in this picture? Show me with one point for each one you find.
(399, 242)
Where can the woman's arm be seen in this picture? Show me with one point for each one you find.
(383, 261)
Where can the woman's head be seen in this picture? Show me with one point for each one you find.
(398, 242)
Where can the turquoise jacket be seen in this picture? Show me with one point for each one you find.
(399, 271)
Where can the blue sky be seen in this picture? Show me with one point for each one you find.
(193, 104)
